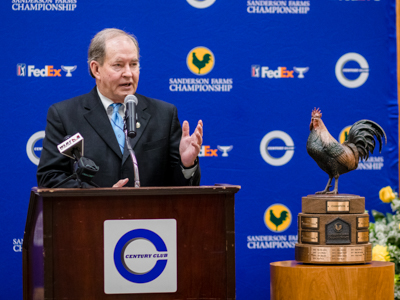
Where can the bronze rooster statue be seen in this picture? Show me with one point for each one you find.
(335, 158)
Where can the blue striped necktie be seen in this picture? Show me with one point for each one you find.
(118, 126)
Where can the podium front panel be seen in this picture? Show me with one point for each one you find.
(73, 231)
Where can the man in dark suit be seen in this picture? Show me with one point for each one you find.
(165, 152)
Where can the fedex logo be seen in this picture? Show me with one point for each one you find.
(281, 72)
(206, 151)
(47, 71)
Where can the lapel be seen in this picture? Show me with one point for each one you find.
(97, 117)
(143, 119)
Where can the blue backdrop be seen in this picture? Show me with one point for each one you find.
(271, 63)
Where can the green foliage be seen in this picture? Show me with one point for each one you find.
(386, 232)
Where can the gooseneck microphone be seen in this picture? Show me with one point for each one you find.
(130, 115)
(130, 131)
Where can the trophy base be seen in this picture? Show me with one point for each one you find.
(333, 254)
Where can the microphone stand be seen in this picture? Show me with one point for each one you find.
(133, 157)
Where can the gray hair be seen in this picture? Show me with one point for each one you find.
(97, 48)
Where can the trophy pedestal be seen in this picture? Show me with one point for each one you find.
(333, 229)
(296, 281)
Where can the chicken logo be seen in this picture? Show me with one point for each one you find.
(344, 134)
(338, 227)
(277, 217)
(200, 61)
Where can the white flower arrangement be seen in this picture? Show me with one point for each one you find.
(384, 235)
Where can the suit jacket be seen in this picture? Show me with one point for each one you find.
(156, 144)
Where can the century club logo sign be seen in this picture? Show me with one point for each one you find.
(47, 71)
(201, 3)
(258, 71)
(200, 61)
(140, 256)
(121, 259)
(267, 147)
(34, 146)
(352, 70)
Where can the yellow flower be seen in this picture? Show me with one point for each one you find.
(386, 194)
(380, 253)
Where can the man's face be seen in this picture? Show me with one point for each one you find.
(119, 74)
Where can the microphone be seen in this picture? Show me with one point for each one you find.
(72, 146)
(130, 131)
(84, 168)
(130, 114)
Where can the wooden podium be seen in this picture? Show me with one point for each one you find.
(63, 246)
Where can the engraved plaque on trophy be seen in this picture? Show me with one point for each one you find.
(333, 229)
(338, 232)
(309, 223)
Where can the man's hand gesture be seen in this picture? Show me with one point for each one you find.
(190, 145)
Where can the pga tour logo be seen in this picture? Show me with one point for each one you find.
(47, 71)
(258, 71)
(140, 256)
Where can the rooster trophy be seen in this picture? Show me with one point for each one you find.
(335, 158)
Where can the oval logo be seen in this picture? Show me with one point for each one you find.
(34, 146)
(287, 150)
(201, 3)
(125, 269)
(361, 71)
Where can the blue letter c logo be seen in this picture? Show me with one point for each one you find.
(124, 241)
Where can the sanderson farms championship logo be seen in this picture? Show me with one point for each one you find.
(200, 61)
(277, 218)
(44, 5)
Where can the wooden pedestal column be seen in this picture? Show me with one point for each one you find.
(293, 280)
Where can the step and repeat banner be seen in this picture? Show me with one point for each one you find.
(251, 70)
